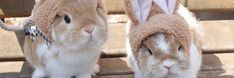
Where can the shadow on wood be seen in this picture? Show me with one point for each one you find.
(214, 67)
(15, 8)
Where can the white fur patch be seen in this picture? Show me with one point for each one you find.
(39, 73)
(69, 62)
(167, 6)
(195, 59)
(190, 19)
(162, 43)
(151, 60)
(168, 63)
(141, 8)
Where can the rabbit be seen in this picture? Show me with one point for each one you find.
(73, 33)
(162, 39)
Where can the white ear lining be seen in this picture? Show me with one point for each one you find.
(145, 9)
(171, 6)
(141, 8)
(168, 6)
(136, 8)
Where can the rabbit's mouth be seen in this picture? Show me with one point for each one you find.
(89, 32)
(170, 75)
(90, 37)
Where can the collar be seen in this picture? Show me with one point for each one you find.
(34, 31)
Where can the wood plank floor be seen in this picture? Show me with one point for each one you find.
(214, 66)
(218, 52)
(218, 38)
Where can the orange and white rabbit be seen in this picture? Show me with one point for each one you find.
(74, 32)
(162, 39)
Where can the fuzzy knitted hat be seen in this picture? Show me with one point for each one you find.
(158, 18)
(168, 25)
(45, 11)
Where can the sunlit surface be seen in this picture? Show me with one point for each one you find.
(1, 12)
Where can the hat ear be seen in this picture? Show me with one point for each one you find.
(168, 6)
(138, 10)
(101, 5)
(101, 10)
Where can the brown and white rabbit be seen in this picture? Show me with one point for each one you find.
(75, 31)
(162, 39)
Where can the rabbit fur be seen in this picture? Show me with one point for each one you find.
(77, 29)
(163, 40)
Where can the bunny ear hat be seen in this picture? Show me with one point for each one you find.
(45, 11)
(151, 17)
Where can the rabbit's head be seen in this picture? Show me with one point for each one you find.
(159, 38)
(162, 56)
(72, 23)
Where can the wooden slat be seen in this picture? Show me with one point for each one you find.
(10, 49)
(215, 15)
(218, 36)
(15, 8)
(22, 8)
(115, 6)
(214, 66)
(117, 18)
(217, 74)
(215, 62)
(9, 46)
(116, 41)
(211, 5)
(114, 66)
(8, 8)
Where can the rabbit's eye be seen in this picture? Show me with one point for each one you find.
(150, 51)
(180, 48)
(67, 19)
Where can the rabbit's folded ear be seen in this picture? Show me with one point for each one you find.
(138, 10)
(168, 6)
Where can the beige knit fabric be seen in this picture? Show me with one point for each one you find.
(161, 23)
(44, 13)
(155, 9)
(157, 22)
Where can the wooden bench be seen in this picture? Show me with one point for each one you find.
(218, 41)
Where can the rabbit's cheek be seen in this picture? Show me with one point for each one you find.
(61, 37)
(88, 35)
(100, 35)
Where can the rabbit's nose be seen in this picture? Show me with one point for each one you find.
(89, 30)
(168, 67)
